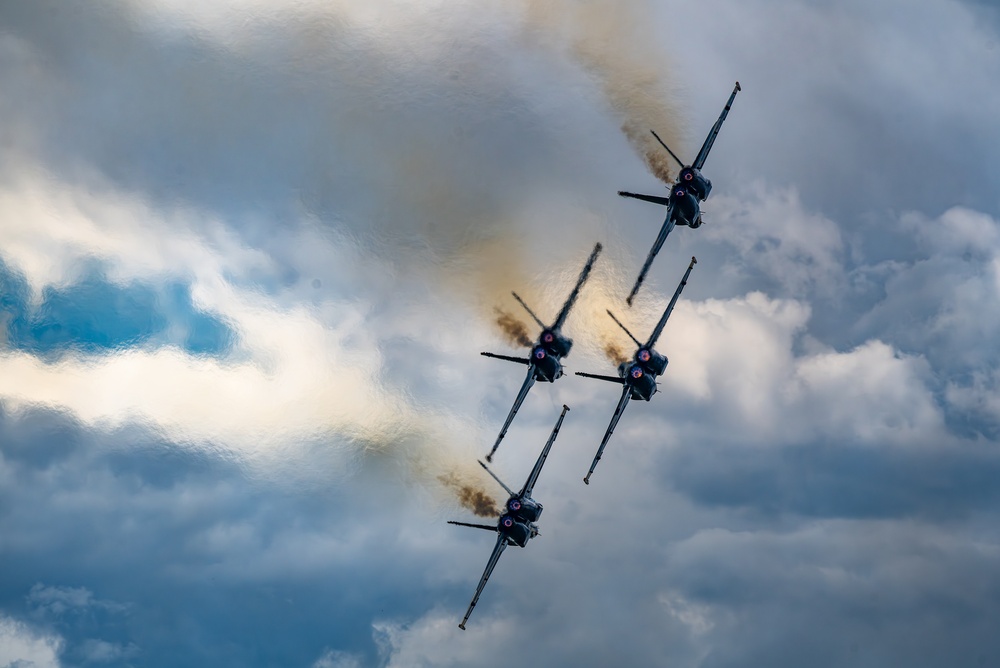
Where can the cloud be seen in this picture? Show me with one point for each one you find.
(23, 647)
(334, 659)
(873, 583)
(354, 190)
(57, 601)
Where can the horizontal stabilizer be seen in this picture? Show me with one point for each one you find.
(508, 358)
(488, 527)
(610, 379)
(663, 201)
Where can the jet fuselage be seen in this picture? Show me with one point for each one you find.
(547, 354)
(640, 374)
(518, 520)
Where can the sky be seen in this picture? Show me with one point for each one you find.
(250, 251)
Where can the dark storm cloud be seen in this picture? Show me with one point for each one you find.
(839, 480)
(839, 594)
(131, 548)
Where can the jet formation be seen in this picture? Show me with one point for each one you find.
(517, 523)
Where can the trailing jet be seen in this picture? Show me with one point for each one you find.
(638, 376)
(516, 525)
(683, 204)
(544, 363)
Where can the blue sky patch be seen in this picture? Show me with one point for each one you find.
(95, 315)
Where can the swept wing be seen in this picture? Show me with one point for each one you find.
(707, 146)
(564, 312)
(529, 380)
(670, 307)
(668, 225)
(622, 403)
(529, 484)
(490, 565)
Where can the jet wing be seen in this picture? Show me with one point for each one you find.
(670, 307)
(561, 318)
(622, 403)
(529, 484)
(529, 380)
(490, 565)
(699, 162)
(668, 225)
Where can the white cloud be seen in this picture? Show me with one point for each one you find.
(23, 647)
(336, 659)
(101, 651)
(57, 601)
(773, 233)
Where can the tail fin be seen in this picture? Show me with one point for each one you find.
(624, 328)
(664, 145)
(530, 312)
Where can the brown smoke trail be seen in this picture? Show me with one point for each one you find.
(476, 500)
(614, 353)
(516, 331)
(613, 41)
(445, 215)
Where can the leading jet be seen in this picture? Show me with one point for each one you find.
(637, 377)
(544, 362)
(684, 203)
(516, 525)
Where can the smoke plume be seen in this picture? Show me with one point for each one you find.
(514, 329)
(471, 497)
(420, 161)
(614, 41)
(614, 353)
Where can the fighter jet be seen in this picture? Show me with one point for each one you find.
(544, 363)
(638, 376)
(516, 525)
(683, 204)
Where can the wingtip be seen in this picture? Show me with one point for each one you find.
(489, 458)
(461, 626)
(694, 260)
(738, 87)
(586, 481)
(565, 407)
